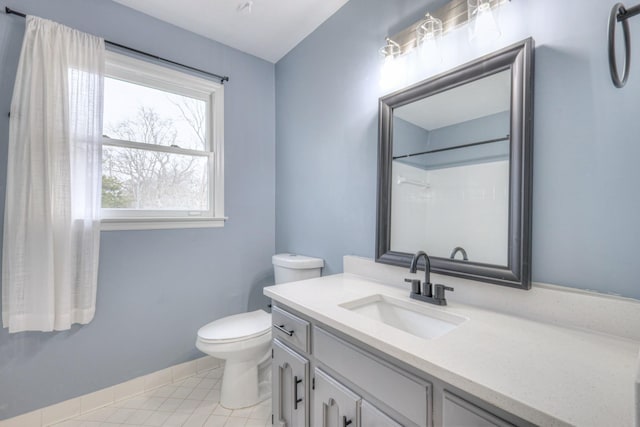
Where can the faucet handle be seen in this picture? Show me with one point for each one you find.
(438, 292)
(415, 285)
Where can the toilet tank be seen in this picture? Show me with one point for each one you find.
(292, 267)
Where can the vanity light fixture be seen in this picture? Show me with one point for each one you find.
(478, 13)
(424, 37)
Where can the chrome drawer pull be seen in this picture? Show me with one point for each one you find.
(282, 329)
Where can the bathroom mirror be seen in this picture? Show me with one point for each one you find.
(454, 170)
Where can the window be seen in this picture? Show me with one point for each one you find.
(162, 150)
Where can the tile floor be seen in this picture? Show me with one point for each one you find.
(192, 402)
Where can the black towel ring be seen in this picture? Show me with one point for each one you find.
(621, 14)
(618, 13)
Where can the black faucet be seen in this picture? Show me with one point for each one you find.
(426, 287)
(437, 297)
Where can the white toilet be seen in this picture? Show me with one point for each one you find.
(243, 340)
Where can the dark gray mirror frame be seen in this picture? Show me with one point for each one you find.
(517, 273)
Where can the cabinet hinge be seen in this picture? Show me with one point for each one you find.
(313, 383)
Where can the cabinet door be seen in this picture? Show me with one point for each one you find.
(333, 404)
(370, 416)
(290, 387)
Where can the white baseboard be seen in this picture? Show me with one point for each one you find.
(98, 399)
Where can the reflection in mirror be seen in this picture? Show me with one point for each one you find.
(450, 172)
(454, 170)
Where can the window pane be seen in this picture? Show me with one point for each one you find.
(138, 113)
(143, 179)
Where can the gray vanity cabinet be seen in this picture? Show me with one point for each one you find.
(334, 405)
(322, 378)
(290, 382)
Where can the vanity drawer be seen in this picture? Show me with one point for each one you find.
(290, 328)
(458, 412)
(408, 396)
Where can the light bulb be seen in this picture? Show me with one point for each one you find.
(483, 24)
(430, 51)
(429, 33)
(390, 73)
(392, 68)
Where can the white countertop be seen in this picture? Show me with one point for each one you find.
(544, 373)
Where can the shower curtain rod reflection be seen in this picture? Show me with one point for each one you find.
(473, 144)
(222, 79)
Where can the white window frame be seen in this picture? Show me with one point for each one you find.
(152, 75)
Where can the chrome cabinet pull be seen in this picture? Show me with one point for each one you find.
(282, 329)
(296, 400)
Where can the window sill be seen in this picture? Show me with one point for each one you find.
(159, 224)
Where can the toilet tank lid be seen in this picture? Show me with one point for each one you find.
(297, 261)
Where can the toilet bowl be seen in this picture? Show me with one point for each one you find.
(244, 340)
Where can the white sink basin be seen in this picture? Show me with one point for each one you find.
(416, 318)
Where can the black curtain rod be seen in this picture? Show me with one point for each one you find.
(473, 144)
(222, 79)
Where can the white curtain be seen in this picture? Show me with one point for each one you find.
(51, 223)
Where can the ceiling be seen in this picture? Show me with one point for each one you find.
(267, 29)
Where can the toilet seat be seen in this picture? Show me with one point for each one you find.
(239, 327)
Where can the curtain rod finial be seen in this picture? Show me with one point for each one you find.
(10, 11)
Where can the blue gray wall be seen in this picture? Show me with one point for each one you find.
(585, 189)
(156, 288)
